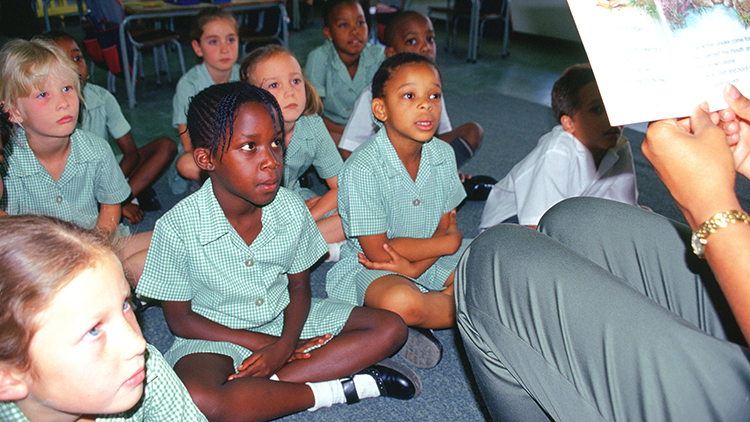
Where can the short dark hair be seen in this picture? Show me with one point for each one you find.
(390, 65)
(395, 24)
(211, 116)
(330, 6)
(566, 90)
(57, 34)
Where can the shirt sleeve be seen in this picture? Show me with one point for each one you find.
(549, 184)
(311, 244)
(117, 125)
(359, 192)
(315, 68)
(360, 126)
(327, 160)
(111, 187)
(181, 101)
(165, 398)
(166, 275)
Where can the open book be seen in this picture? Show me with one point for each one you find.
(656, 59)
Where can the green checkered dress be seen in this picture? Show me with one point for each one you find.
(196, 255)
(377, 195)
(103, 116)
(311, 145)
(165, 399)
(91, 177)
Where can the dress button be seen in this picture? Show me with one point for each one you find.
(259, 301)
(59, 199)
(249, 262)
(416, 202)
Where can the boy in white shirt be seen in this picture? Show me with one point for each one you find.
(583, 156)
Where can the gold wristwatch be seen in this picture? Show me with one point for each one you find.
(720, 220)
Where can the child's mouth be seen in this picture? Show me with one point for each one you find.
(137, 378)
(425, 124)
(66, 119)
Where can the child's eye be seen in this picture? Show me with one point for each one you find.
(436, 96)
(77, 58)
(94, 332)
(431, 40)
(361, 23)
(42, 95)
(409, 96)
(212, 42)
(597, 109)
(276, 143)
(67, 88)
(128, 304)
(343, 25)
(411, 41)
(296, 81)
(248, 146)
(232, 40)
(273, 85)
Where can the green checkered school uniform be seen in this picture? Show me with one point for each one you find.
(165, 398)
(103, 116)
(91, 177)
(195, 80)
(311, 145)
(196, 255)
(376, 195)
(337, 89)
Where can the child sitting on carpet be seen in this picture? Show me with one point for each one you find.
(583, 156)
(103, 117)
(230, 264)
(215, 37)
(51, 167)
(397, 198)
(307, 142)
(70, 345)
(344, 65)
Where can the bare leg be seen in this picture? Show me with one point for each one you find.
(400, 295)
(155, 157)
(134, 251)
(331, 229)
(187, 168)
(471, 132)
(369, 336)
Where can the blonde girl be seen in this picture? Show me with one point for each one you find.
(61, 360)
(307, 141)
(51, 167)
(215, 41)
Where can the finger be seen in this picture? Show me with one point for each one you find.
(737, 102)
(700, 120)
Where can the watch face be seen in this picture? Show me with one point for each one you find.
(697, 245)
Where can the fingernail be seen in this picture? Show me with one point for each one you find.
(704, 107)
(732, 92)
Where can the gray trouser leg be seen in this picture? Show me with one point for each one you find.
(549, 332)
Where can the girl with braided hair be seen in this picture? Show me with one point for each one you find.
(230, 265)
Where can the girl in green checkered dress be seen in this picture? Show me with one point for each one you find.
(70, 345)
(230, 265)
(307, 141)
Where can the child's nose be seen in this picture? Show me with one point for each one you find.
(133, 343)
(269, 160)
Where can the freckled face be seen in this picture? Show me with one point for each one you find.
(250, 169)
(88, 359)
(49, 113)
(411, 106)
(281, 75)
(348, 29)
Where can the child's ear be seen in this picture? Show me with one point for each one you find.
(197, 48)
(389, 51)
(567, 124)
(12, 385)
(327, 33)
(378, 109)
(203, 159)
(14, 115)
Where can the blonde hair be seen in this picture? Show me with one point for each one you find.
(39, 255)
(26, 65)
(313, 103)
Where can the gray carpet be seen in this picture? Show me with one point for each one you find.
(512, 128)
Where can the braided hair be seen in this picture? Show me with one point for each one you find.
(211, 116)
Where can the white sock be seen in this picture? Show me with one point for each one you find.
(328, 393)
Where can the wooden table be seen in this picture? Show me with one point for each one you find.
(156, 9)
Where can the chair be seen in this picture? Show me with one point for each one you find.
(104, 19)
(60, 8)
(262, 27)
(488, 10)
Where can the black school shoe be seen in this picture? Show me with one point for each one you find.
(394, 380)
(478, 187)
(148, 201)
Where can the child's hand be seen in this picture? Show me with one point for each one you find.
(736, 124)
(397, 263)
(452, 234)
(264, 362)
(305, 344)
